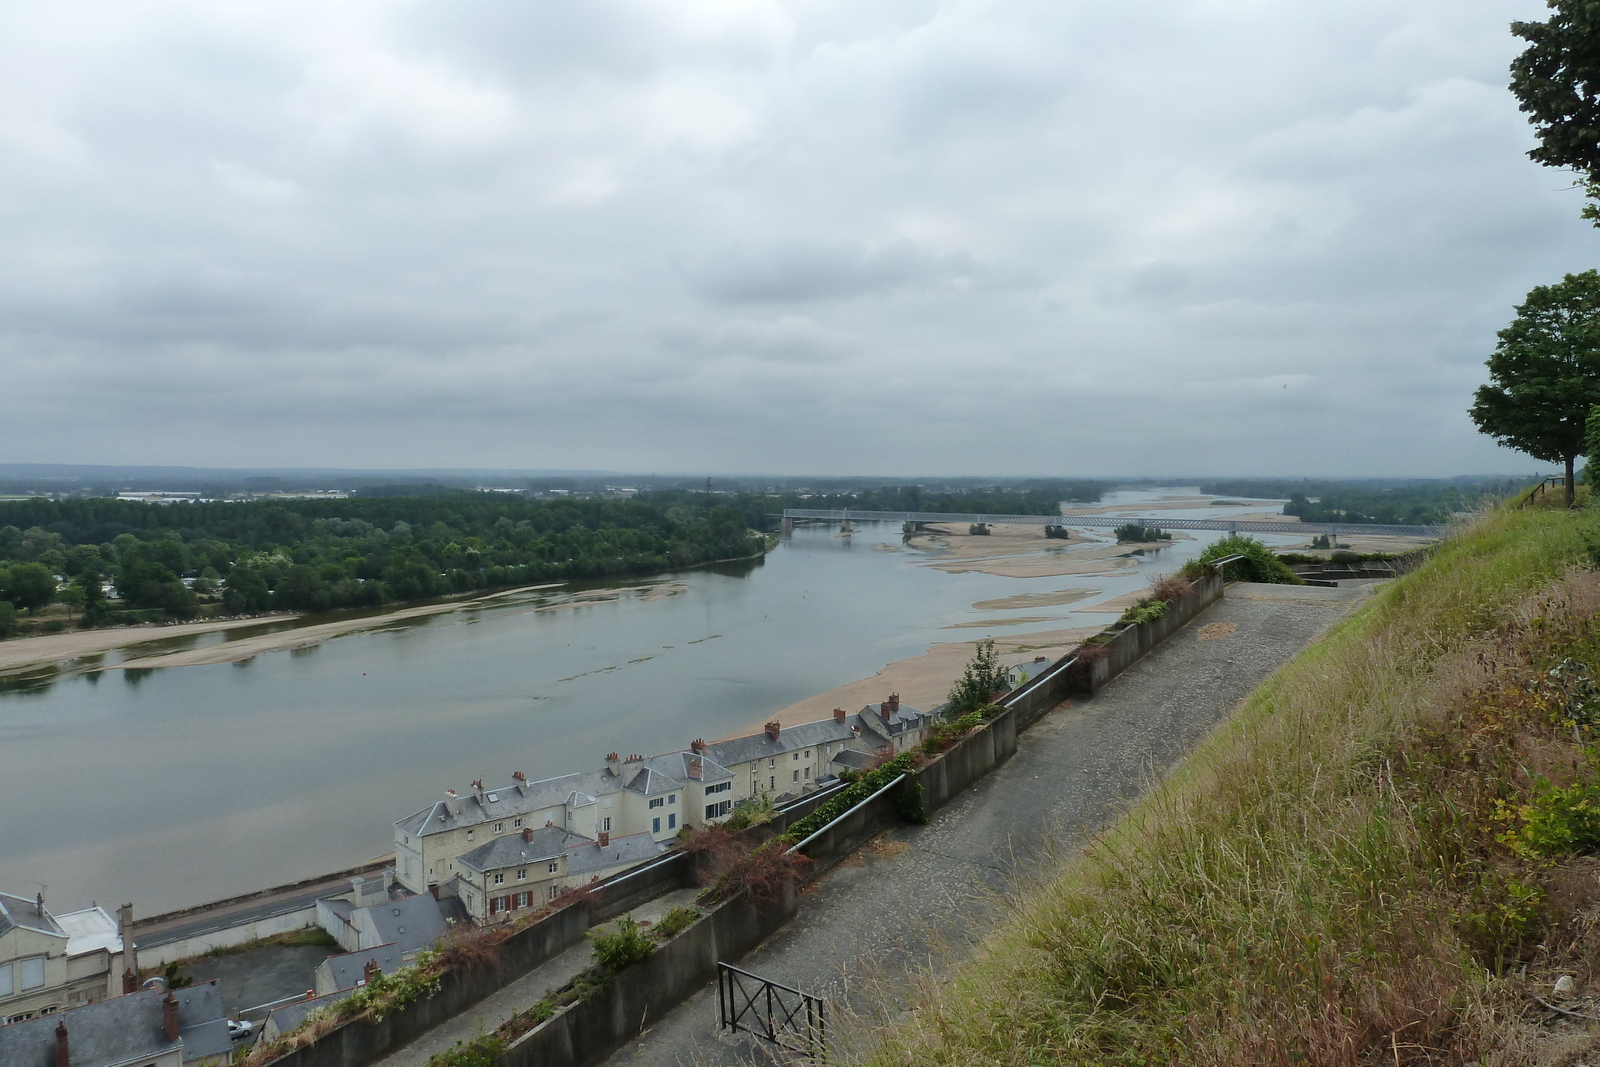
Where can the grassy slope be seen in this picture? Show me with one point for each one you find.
(1325, 880)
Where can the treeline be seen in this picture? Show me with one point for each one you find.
(1042, 497)
(315, 555)
(1399, 503)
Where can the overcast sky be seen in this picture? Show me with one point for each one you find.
(847, 236)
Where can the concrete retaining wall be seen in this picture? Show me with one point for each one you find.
(590, 1030)
(159, 955)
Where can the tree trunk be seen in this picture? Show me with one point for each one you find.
(1571, 492)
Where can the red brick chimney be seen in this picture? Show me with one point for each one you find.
(370, 971)
(130, 982)
(838, 715)
(61, 1044)
(527, 833)
(696, 769)
(520, 780)
(612, 759)
(169, 1016)
(605, 838)
(894, 701)
(884, 711)
(774, 729)
(698, 746)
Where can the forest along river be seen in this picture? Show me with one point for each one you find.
(175, 786)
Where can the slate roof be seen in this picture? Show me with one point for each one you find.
(199, 1004)
(281, 1020)
(206, 1039)
(23, 913)
(573, 790)
(547, 843)
(348, 968)
(856, 761)
(590, 857)
(761, 746)
(871, 720)
(676, 767)
(410, 922)
(109, 1032)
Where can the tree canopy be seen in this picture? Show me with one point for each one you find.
(1556, 81)
(1545, 373)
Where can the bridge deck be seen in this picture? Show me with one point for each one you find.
(1109, 521)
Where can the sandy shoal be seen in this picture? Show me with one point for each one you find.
(1134, 509)
(23, 652)
(924, 681)
(304, 637)
(1117, 604)
(1034, 600)
(1023, 552)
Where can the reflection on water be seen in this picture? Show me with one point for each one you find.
(212, 780)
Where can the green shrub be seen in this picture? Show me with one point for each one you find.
(1259, 563)
(675, 922)
(624, 946)
(1144, 611)
(1344, 557)
(1557, 822)
(983, 678)
(753, 811)
(910, 797)
(481, 1051)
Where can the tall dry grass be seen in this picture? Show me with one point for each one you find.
(1321, 882)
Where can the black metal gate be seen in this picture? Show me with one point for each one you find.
(777, 1013)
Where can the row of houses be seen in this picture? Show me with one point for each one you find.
(506, 849)
(70, 996)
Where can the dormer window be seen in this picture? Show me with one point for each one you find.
(499, 827)
(515, 823)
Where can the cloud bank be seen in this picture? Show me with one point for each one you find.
(1056, 237)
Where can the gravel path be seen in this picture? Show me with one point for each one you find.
(917, 900)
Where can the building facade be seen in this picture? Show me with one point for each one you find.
(49, 964)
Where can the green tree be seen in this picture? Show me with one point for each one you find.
(30, 586)
(94, 595)
(1260, 563)
(1545, 373)
(1554, 81)
(8, 618)
(983, 678)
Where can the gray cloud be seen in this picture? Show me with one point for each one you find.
(1049, 236)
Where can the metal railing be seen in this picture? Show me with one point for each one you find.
(779, 1014)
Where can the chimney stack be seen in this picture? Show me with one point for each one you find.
(130, 953)
(521, 781)
(451, 803)
(612, 759)
(838, 715)
(61, 1044)
(605, 838)
(169, 1016)
(774, 729)
(696, 769)
(39, 903)
(527, 833)
(883, 711)
(698, 746)
(477, 790)
(894, 702)
(370, 971)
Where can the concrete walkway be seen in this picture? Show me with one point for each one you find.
(525, 992)
(919, 898)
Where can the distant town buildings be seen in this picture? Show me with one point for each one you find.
(50, 963)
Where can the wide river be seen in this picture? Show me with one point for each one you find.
(181, 785)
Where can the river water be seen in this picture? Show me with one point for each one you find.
(181, 785)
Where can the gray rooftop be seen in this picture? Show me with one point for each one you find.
(513, 850)
(590, 857)
(680, 768)
(871, 720)
(349, 968)
(110, 1032)
(572, 790)
(206, 1039)
(790, 738)
(25, 913)
(290, 1016)
(856, 761)
(411, 922)
(199, 1004)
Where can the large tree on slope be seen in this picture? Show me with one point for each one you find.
(1545, 373)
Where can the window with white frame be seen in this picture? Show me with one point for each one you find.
(555, 867)
(500, 879)
(672, 798)
(720, 787)
(522, 874)
(605, 824)
(658, 802)
(516, 822)
(500, 827)
(555, 891)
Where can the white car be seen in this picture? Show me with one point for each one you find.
(240, 1029)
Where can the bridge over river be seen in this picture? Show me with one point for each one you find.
(1292, 529)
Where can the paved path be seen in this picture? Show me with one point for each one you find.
(526, 991)
(920, 897)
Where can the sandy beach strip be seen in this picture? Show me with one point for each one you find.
(22, 653)
(924, 681)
